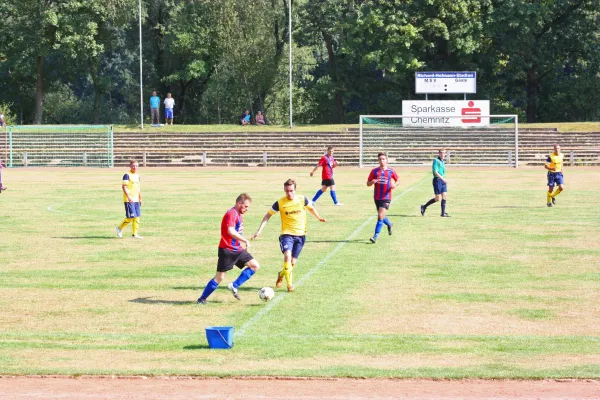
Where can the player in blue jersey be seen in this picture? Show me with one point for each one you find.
(231, 251)
(439, 183)
(385, 180)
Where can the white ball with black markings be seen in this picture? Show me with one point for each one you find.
(266, 293)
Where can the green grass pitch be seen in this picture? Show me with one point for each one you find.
(506, 288)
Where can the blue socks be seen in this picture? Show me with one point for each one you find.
(317, 195)
(244, 276)
(387, 221)
(334, 197)
(378, 227)
(210, 287)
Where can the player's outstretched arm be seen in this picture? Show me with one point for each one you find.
(316, 214)
(262, 225)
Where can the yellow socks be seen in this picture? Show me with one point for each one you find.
(556, 192)
(125, 222)
(287, 273)
(136, 225)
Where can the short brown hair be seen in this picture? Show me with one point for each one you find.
(290, 182)
(381, 154)
(243, 197)
(329, 148)
(133, 162)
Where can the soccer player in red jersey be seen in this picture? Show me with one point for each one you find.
(2, 187)
(385, 180)
(328, 163)
(231, 251)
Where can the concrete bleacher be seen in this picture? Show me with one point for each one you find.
(405, 146)
(408, 146)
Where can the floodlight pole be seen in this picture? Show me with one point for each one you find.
(141, 83)
(290, 45)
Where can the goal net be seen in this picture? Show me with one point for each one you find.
(60, 146)
(470, 140)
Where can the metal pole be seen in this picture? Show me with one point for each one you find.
(290, 45)
(516, 141)
(141, 83)
(360, 143)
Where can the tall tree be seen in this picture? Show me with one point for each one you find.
(532, 39)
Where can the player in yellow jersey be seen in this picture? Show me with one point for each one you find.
(292, 209)
(132, 196)
(554, 165)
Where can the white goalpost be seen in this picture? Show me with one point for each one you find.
(60, 146)
(413, 140)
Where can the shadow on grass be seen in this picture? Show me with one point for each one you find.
(337, 241)
(85, 237)
(241, 289)
(150, 300)
(196, 347)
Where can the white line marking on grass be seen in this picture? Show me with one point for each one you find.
(51, 208)
(270, 305)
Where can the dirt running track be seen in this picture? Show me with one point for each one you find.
(92, 388)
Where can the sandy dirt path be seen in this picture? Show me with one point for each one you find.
(92, 388)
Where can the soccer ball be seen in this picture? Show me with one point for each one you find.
(266, 293)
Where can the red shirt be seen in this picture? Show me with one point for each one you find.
(231, 218)
(327, 163)
(383, 187)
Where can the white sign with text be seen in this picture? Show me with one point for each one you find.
(438, 112)
(445, 82)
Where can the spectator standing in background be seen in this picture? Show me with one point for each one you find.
(2, 121)
(155, 109)
(169, 103)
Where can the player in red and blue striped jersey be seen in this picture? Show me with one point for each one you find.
(328, 163)
(385, 180)
(231, 251)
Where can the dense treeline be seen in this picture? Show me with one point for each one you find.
(77, 61)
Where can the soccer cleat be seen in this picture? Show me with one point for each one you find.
(422, 210)
(201, 301)
(338, 204)
(373, 239)
(549, 204)
(444, 215)
(234, 291)
(290, 289)
(279, 281)
(390, 229)
(119, 233)
(553, 201)
(137, 237)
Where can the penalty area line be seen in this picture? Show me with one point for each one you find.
(278, 299)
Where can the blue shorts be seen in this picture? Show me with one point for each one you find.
(293, 243)
(439, 186)
(168, 113)
(133, 210)
(555, 178)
